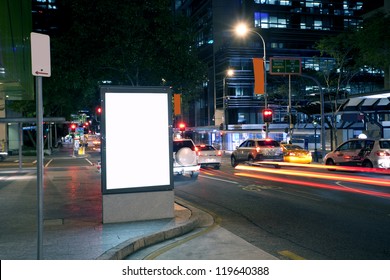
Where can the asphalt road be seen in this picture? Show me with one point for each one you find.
(298, 213)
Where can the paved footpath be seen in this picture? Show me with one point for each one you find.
(73, 228)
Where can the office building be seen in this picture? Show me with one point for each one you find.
(288, 29)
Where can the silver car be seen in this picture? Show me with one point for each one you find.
(257, 150)
(209, 156)
(361, 152)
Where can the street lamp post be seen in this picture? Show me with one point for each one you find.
(229, 73)
(242, 30)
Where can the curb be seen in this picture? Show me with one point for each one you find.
(131, 246)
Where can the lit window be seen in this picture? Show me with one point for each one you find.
(273, 22)
(285, 3)
(317, 3)
(261, 20)
(318, 24)
(309, 3)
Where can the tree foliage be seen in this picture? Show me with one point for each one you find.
(353, 51)
(127, 42)
(373, 41)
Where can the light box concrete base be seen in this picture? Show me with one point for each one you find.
(128, 207)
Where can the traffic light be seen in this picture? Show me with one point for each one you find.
(73, 127)
(182, 126)
(267, 115)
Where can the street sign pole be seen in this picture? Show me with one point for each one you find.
(39, 105)
(40, 62)
(286, 66)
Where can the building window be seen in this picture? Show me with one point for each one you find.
(261, 20)
(274, 2)
(276, 45)
(318, 24)
(351, 23)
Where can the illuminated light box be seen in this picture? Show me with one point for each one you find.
(136, 139)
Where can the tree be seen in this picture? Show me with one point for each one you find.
(373, 41)
(338, 72)
(126, 42)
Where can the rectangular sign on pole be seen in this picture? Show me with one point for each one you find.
(40, 55)
(285, 66)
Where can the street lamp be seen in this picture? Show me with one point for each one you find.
(242, 30)
(229, 73)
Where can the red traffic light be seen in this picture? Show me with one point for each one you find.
(267, 115)
(99, 110)
(73, 126)
(182, 126)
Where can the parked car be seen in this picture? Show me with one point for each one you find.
(209, 156)
(93, 141)
(185, 158)
(296, 154)
(361, 152)
(257, 150)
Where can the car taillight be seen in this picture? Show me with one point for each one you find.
(219, 153)
(383, 154)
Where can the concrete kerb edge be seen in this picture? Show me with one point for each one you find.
(131, 246)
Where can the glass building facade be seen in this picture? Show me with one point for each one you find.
(290, 28)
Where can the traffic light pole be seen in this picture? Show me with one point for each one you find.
(323, 146)
(290, 123)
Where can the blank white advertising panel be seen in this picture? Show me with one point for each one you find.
(136, 139)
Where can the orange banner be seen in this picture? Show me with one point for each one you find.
(176, 104)
(258, 69)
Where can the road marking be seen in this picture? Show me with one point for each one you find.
(47, 164)
(89, 161)
(217, 179)
(290, 255)
(259, 188)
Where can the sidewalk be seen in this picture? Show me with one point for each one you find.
(73, 229)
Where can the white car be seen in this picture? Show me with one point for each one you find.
(185, 158)
(361, 152)
(209, 156)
